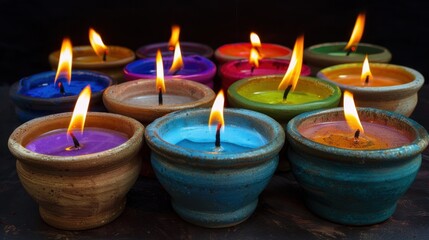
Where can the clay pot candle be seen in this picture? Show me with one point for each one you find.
(239, 51)
(49, 92)
(355, 177)
(80, 180)
(167, 48)
(327, 54)
(109, 60)
(214, 175)
(384, 86)
(194, 68)
(140, 99)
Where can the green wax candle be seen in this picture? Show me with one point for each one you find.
(276, 96)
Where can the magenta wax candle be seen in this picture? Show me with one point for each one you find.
(233, 71)
(196, 68)
(92, 140)
(187, 49)
(238, 51)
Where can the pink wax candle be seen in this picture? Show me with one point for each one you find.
(233, 71)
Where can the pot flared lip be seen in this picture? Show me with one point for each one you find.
(413, 148)
(414, 85)
(128, 56)
(325, 102)
(74, 162)
(208, 95)
(198, 49)
(254, 156)
(18, 97)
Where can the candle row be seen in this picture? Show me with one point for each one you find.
(214, 164)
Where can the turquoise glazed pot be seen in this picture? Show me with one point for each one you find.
(354, 187)
(209, 188)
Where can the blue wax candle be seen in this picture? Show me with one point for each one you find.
(196, 68)
(234, 139)
(42, 85)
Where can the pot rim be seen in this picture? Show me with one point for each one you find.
(415, 147)
(93, 160)
(207, 159)
(334, 97)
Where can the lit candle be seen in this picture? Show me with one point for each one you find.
(53, 92)
(354, 173)
(384, 86)
(327, 54)
(167, 48)
(214, 174)
(240, 51)
(255, 65)
(79, 181)
(98, 57)
(63, 142)
(194, 68)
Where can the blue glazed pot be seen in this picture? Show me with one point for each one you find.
(354, 187)
(214, 189)
(36, 96)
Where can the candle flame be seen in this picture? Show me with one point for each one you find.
(254, 39)
(159, 72)
(357, 33)
(366, 71)
(254, 57)
(97, 43)
(216, 114)
(65, 61)
(175, 32)
(294, 70)
(177, 59)
(350, 112)
(81, 108)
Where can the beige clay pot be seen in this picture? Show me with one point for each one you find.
(83, 192)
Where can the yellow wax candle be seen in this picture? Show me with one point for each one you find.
(338, 134)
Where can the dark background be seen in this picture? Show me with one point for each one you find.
(30, 30)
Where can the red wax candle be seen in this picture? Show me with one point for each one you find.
(237, 51)
(233, 71)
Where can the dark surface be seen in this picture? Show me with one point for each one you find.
(31, 29)
(280, 214)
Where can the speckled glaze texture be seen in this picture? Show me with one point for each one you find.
(358, 187)
(399, 98)
(28, 108)
(317, 57)
(209, 189)
(81, 192)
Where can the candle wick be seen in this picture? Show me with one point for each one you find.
(356, 137)
(366, 79)
(75, 141)
(217, 142)
(252, 69)
(176, 71)
(104, 56)
(350, 50)
(286, 92)
(61, 86)
(160, 96)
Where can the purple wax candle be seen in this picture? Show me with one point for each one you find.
(187, 49)
(196, 68)
(92, 140)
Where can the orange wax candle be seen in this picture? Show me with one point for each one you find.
(338, 134)
(383, 75)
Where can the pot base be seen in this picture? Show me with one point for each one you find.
(215, 220)
(344, 216)
(58, 218)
